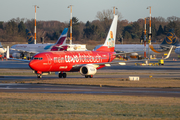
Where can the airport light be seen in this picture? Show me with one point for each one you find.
(114, 9)
(35, 25)
(150, 34)
(144, 37)
(149, 25)
(70, 6)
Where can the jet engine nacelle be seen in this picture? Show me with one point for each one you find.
(88, 70)
(16, 55)
(177, 50)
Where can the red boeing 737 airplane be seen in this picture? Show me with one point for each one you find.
(87, 62)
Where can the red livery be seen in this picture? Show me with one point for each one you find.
(86, 62)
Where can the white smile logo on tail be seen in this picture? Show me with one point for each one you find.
(110, 42)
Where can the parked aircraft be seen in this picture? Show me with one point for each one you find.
(87, 62)
(137, 50)
(19, 50)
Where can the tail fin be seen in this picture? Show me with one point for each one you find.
(30, 37)
(170, 39)
(62, 38)
(109, 43)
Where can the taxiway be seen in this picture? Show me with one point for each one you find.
(169, 70)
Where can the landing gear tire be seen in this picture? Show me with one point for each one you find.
(90, 76)
(39, 76)
(62, 75)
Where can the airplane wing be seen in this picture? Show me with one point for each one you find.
(170, 50)
(96, 65)
(19, 59)
(125, 53)
(169, 53)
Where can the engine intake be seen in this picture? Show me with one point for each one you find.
(16, 55)
(88, 70)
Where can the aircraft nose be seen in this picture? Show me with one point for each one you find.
(33, 65)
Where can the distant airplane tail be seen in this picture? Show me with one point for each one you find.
(61, 41)
(170, 39)
(62, 38)
(109, 43)
(30, 37)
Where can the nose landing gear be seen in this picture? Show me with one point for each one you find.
(39, 75)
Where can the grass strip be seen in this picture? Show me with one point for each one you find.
(79, 106)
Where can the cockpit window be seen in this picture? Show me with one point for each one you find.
(37, 58)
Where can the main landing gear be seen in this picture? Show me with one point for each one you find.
(39, 75)
(62, 75)
(90, 76)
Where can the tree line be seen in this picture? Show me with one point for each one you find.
(96, 31)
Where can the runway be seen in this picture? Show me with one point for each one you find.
(75, 89)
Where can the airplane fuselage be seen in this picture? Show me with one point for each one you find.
(138, 49)
(32, 47)
(68, 61)
(37, 48)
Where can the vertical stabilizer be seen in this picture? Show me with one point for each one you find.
(170, 39)
(62, 38)
(30, 37)
(109, 43)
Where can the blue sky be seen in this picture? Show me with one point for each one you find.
(86, 10)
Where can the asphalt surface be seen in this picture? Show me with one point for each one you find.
(169, 70)
(75, 89)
